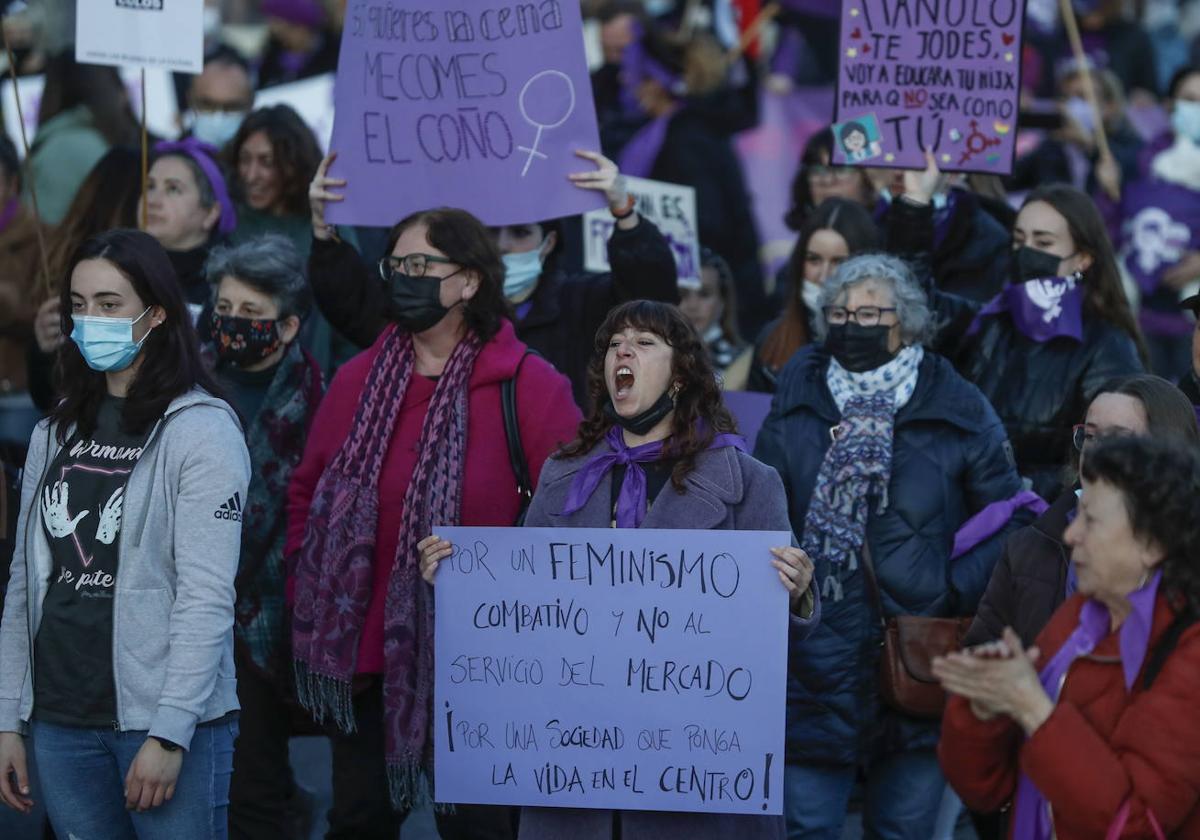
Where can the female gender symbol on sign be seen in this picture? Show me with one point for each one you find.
(546, 95)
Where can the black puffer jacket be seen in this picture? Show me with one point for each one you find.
(564, 312)
(1040, 390)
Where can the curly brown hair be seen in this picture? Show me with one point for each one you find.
(1159, 479)
(700, 413)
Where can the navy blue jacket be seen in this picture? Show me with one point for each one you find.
(950, 459)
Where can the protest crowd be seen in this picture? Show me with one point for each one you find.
(258, 353)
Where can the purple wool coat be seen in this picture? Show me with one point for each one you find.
(728, 490)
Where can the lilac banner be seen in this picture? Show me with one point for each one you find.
(475, 104)
(611, 668)
(1162, 224)
(936, 74)
(750, 409)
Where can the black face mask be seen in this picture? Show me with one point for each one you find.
(858, 348)
(1031, 264)
(415, 303)
(642, 423)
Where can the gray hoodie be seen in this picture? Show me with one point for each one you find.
(174, 594)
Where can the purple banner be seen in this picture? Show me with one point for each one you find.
(470, 103)
(938, 74)
(1161, 225)
(611, 668)
(750, 409)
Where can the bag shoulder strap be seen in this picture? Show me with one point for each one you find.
(512, 433)
(872, 582)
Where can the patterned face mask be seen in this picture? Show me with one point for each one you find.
(244, 341)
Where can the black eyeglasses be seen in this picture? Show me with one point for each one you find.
(414, 265)
(821, 172)
(864, 316)
(1082, 435)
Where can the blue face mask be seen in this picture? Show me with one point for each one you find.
(107, 344)
(215, 127)
(1185, 120)
(521, 272)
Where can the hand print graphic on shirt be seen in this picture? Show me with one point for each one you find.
(55, 513)
(110, 518)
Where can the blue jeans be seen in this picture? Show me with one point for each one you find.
(81, 775)
(903, 792)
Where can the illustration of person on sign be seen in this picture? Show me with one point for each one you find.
(856, 140)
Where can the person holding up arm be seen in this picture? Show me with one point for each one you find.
(555, 312)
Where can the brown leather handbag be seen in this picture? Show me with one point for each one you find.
(910, 643)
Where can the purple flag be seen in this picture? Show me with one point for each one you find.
(1041, 309)
(475, 104)
(946, 77)
(1160, 227)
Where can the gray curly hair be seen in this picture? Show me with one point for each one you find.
(886, 272)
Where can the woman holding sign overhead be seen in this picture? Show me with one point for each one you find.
(556, 313)
(659, 450)
(411, 433)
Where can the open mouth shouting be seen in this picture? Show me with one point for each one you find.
(623, 379)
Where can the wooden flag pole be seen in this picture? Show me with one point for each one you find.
(1067, 10)
(145, 151)
(28, 181)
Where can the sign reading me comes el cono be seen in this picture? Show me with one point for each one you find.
(603, 668)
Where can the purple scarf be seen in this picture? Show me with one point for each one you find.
(637, 65)
(9, 212)
(1032, 817)
(334, 573)
(631, 502)
(205, 156)
(992, 518)
(1040, 309)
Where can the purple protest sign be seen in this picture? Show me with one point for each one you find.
(611, 668)
(750, 409)
(475, 104)
(938, 74)
(1162, 223)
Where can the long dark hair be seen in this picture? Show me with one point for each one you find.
(107, 199)
(1160, 482)
(700, 413)
(171, 364)
(293, 147)
(465, 240)
(853, 223)
(1104, 295)
(69, 84)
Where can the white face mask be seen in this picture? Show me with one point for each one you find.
(811, 294)
(1185, 120)
(214, 127)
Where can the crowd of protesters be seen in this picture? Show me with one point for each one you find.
(214, 404)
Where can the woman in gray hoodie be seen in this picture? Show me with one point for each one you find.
(116, 644)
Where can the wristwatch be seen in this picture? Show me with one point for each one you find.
(169, 746)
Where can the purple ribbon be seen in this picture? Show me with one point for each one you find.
(1041, 309)
(631, 502)
(638, 157)
(9, 212)
(302, 12)
(205, 156)
(992, 518)
(1032, 817)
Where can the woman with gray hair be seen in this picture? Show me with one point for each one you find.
(260, 297)
(886, 452)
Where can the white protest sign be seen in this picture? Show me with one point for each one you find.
(155, 34)
(669, 206)
(311, 98)
(162, 110)
(611, 668)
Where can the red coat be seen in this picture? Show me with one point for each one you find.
(548, 418)
(1100, 746)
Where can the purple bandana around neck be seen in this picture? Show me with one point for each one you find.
(205, 156)
(9, 212)
(1032, 818)
(631, 502)
(1041, 309)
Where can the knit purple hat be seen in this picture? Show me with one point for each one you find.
(205, 157)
